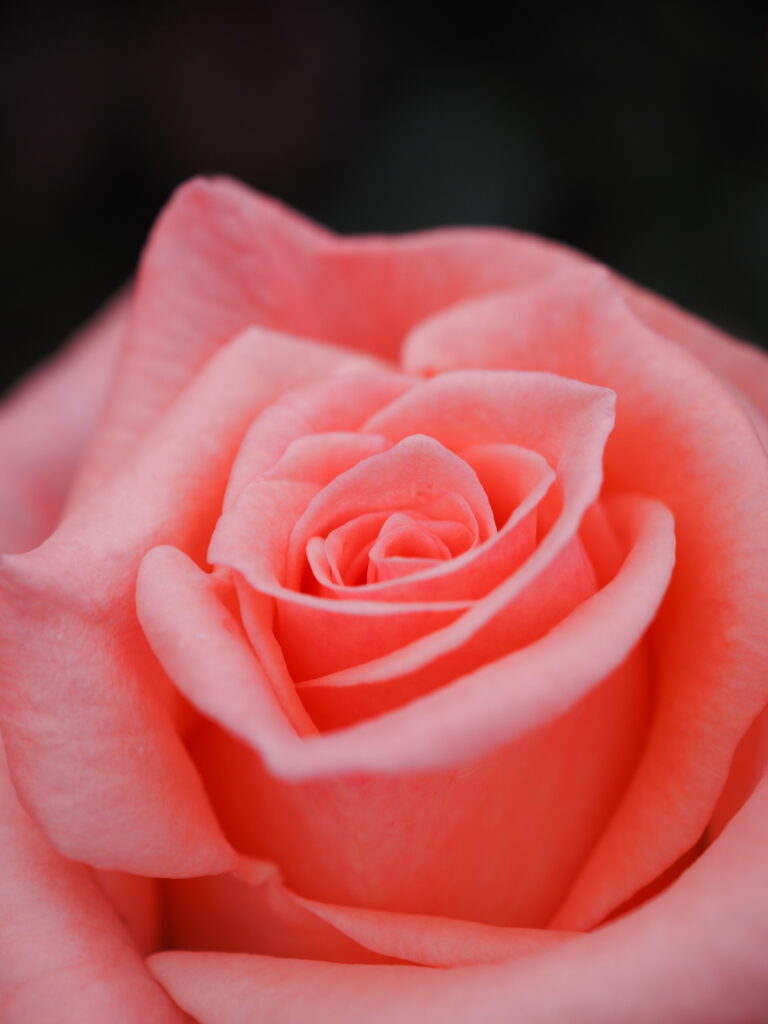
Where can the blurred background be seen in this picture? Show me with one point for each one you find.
(639, 138)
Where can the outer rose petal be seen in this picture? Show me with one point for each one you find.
(222, 257)
(694, 955)
(91, 749)
(64, 956)
(683, 437)
(44, 426)
(740, 364)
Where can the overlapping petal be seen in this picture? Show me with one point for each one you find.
(254, 911)
(92, 748)
(563, 422)
(429, 843)
(685, 957)
(683, 437)
(64, 955)
(46, 423)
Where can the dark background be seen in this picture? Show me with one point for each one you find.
(639, 137)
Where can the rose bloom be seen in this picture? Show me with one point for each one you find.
(384, 639)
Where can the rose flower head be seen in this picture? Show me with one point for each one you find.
(383, 638)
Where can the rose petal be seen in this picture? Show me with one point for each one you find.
(380, 546)
(169, 581)
(682, 437)
(221, 257)
(568, 423)
(64, 956)
(515, 481)
(45, 424)
(415, 472)
(476, 841)
(136, 901)
(740, 364)
(565, 420)
(338, 404)
(474, 715)
(255, 912)
(365, 690)
(683, 957)
(91, 748)
(507, 720)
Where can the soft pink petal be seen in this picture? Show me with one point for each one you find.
(220, 259)
(742, 365)
(565, 420)
(411, 475)
(681, 436)
(255, 912)
(45, 424)
(568, 423)
(174, 596)
(694, 955)
(338, 404)
(91, 748)
(515, 481)
(430, 843)
(437, 659)
(64, 955)
(475, 841)
(473, 715)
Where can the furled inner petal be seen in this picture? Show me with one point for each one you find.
(412, 475)
(342, 559)
(561, 424)
(407, 543)
(518, 484)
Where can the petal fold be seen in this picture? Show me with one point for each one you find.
(87, 714)
(682, 957)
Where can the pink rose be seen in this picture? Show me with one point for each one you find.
(400, 604)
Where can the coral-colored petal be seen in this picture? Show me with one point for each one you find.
(227, 674)
(255, 912)
(64, 955)
(475, 714)
(495, 626)
(340, 404)
(45, 424)
(220, 259)
(685, 957)
(515, 481)
(564, 420)
(91, 748)
(480, 740)
(681, 436)
(742, 365)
